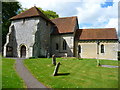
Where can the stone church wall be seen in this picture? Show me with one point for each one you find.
(33, 33)
(58, 39)
(89, 50)
(42, 38)
(10, 42)
(24, 34)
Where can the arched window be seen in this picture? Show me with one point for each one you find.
(57, 47)
(79, 49)
(102, 48)
(64, 45)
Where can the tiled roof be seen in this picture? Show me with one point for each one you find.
(65, 24)
(32, 12)
(93, 34)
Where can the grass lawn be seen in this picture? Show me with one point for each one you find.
(0, 72)
(10, 78)
(74, 73)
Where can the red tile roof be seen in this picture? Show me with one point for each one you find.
(93, 34)
(65, 24)
(32, 12)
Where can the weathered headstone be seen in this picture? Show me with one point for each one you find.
(65, 54)
(56, 69)
(53, 60)
(48, 55)
(98, 62)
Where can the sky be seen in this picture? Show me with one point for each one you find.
(90, 13)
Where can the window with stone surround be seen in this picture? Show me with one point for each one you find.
(79, 49)
(102, 48)
(64, 45)
(57, 46)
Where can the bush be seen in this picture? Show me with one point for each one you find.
(32, 57)
(41, 57)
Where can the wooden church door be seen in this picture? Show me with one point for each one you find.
(23, 51)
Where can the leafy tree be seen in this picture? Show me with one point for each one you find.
(22, 10)
(9, 9)
(51, 14)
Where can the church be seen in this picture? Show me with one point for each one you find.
(32, 34)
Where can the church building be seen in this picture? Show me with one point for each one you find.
(32, 34)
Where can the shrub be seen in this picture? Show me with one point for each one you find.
(32, 57)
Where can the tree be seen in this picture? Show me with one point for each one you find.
(49, 13)
(9, 9)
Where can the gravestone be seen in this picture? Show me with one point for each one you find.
(66, 55)
(56, 69)
(98, 63)
(48, 55)
(53, 60)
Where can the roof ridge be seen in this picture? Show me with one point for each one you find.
(65, 17)
(17, 16)
(32, 12)
(90, 34)
(97, 28)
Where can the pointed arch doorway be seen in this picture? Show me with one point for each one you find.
(23, 51)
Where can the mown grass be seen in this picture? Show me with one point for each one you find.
(74, 73)
(10, 78)
(0, 71)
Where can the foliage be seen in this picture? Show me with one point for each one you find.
(10, 79)
(9, 9)
(74, 73)
(32, 57)
(51, 14)
(22, 10)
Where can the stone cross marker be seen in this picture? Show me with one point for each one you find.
(56, 69)
(53, 60)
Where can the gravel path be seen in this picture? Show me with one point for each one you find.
(109, 66)
(29, 80)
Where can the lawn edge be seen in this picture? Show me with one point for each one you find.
(33, 74)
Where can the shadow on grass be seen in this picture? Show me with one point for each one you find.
(62, 74)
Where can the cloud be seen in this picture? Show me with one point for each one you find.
(113, 22)
(62, 7)
(94, 13)
(90, 13)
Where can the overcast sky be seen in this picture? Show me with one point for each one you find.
(90, 13)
